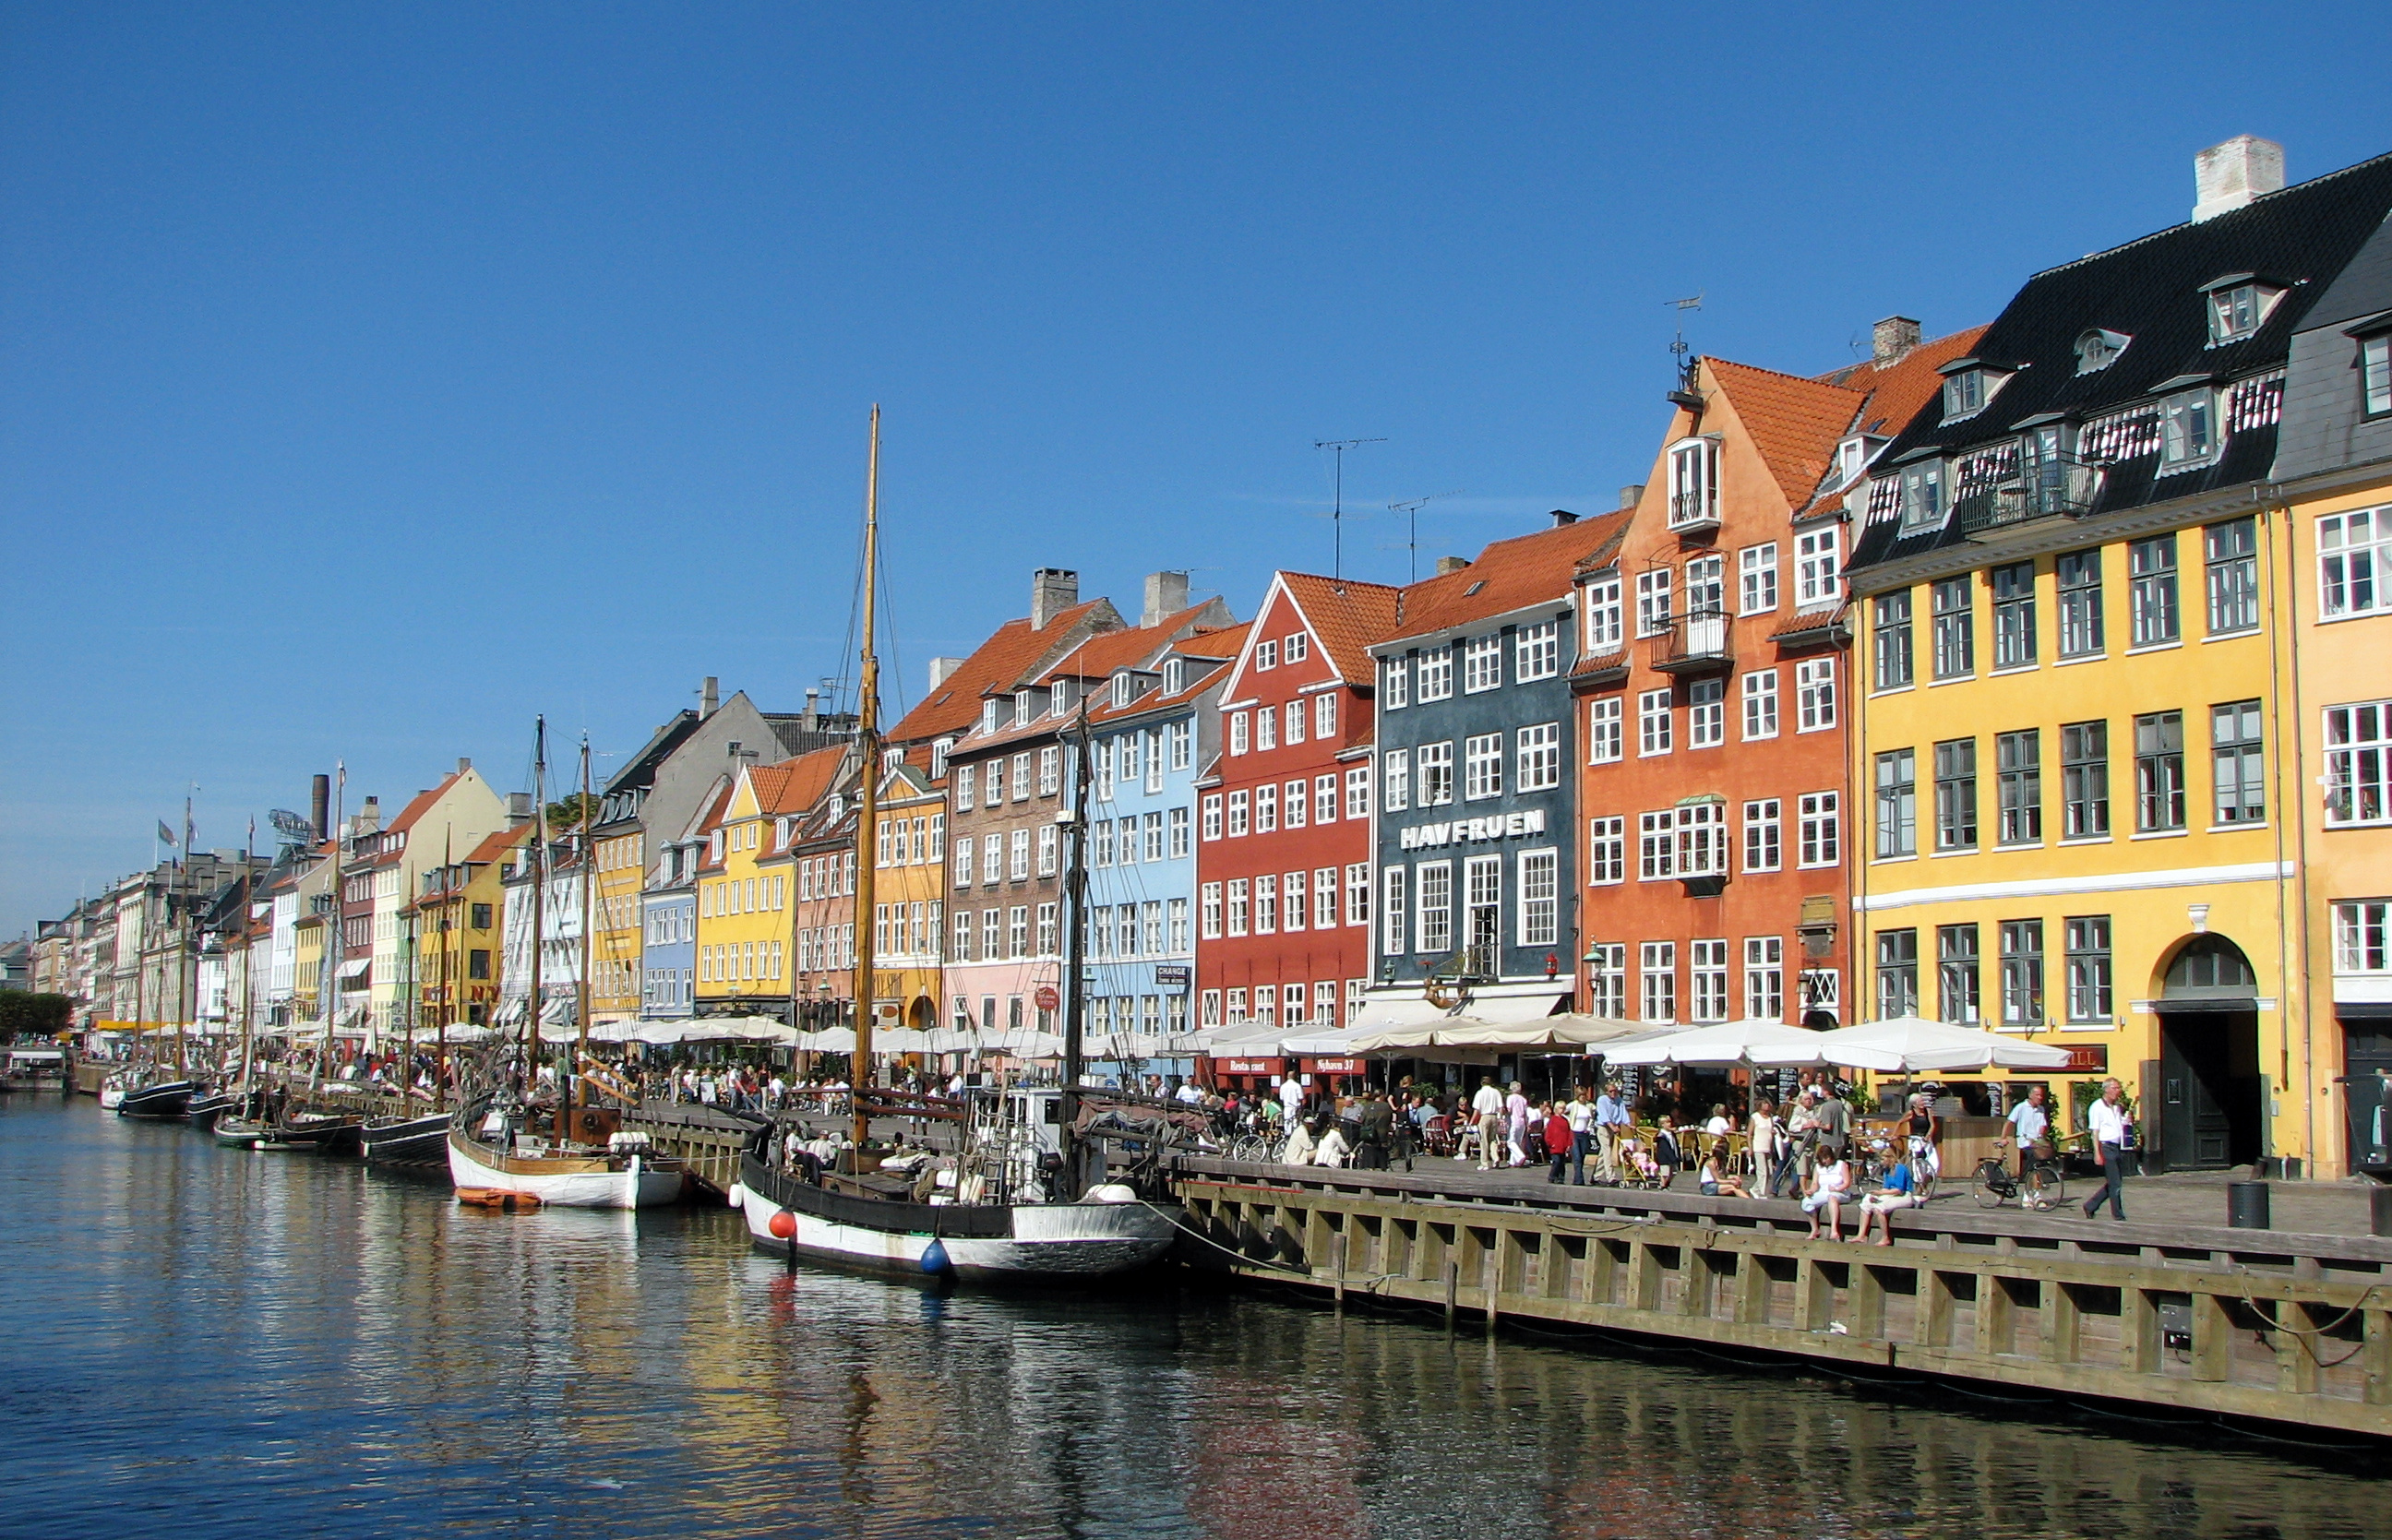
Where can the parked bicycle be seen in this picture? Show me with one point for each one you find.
(2044, 1186)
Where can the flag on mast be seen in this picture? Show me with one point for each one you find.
(164, 833)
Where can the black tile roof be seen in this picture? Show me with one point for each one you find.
(2150, 291)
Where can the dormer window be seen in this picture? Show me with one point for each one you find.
(838, 806)
(2096, 350)
(939, 752)
(1121, 689)
(1067, 695)
(1022, 708)
(1266, 654)
(2189, 428)
(714, 846)
(1693, 484)
(988, 714)
(1851, 458)
(1922, 494)
(1968, 384)
(2375, 374)
(781, 833)
(1174, 675)
(2238, 304)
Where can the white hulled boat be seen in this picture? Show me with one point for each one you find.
(623, 1175)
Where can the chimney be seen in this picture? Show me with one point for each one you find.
(464, 766)
(1166, 594)
(320, 806)
(1052, 590)
(709, 697)
(518, 807)
(1562, 516)
(2229, 176)
(1451, 564)
(813, 708)
(1630, 496)
(1894, 337)
(942, 670)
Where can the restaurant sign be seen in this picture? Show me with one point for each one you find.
(1466, 831)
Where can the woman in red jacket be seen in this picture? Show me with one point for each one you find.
(1557, 1141)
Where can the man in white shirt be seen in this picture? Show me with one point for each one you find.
(1580, 1113)
(1488, 1106)
(1291, 1097)
(2112, 1136)
(2029, 1122)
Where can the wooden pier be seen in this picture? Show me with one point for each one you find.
(2254, 1323)
(709, 1140)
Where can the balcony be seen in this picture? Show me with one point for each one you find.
(1696, 644)
(1695, 512)
(2059, 487)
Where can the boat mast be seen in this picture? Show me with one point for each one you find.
(186, 961)
(538, 901)
(868, 749)
(248, 849)
(454, 941)
(328, 989)
(588, 945)
(1075, 896)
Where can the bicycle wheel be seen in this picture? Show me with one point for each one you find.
(2046, 1186)
(1993, 1183)
(1249, 1149)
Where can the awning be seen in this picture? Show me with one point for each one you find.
(1379, 1012)
(1501, 1010)
(356, 970)
(556, 1013)
(510, 1012)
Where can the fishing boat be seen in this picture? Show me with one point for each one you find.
(407, 1144)
(330, 1133)
(206, 1108)
(165, 1100)
(1026, 1199)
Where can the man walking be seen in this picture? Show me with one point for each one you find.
(2113, 1134)
(1610, 1127)
(1487, 1106)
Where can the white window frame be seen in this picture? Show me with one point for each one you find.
(1599, 600)
(1537, 652)
(2359, 765)
(1435, 674)
(1814, 695)
(2355, 562)
(1482, 764)
(1607, 851)
(1819, 829)
(1653, 612)
(1757, 579)
(1433, 925)
(1694, 483)
(1537, 757)
(1358, 792)
(1706, 713)
(1434, 762)
(1396, 694)
(1759, 693)
(1605, 738)
(1702, 839)
(1654, 732)
(1818, 566)
(1539, 920)
(1482, 665)
(1764, 835)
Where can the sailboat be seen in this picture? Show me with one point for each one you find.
(495, 1149)
(1005, 1210)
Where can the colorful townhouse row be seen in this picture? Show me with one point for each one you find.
(2037, 676)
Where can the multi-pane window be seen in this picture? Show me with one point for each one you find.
(963, 928)
(1816, 559)
(992, 859)
(1897, 803)
(1178, 834)
(2354, 563)
(1694, 482)
(1540, 898)
(1653, 601)
(1482, 664)
(2231, 552)
(1604, 730)
(1295, 902)
(2362, 936)
(2150, 591)
(1241, 891)
(1760, 689)
(1539, 752)
(1891, 627)
(1294, 711)
(1820, 829)
(2358, 763)
(1239, 732)
(1297, 805)
(1324, 798)
(1658, 974)
(1398, 768)
(1656, 845)
(1208, 910)
(1956, 634)
(1183, 746)
(1265, 729)
(1603, 620)
(2188, 428)
(2235, 762)
(963, 782)
(1652, 722)
(1708, 973)
(2021, 971)
(1757, 578)
(1537, 652)
(1437, 673)
(1391, 910)
(2084, 780)
(1324, 898)
(1702, 839)
(1211, 815)
(1399, 691)
(1607, 850)
(1707, 585)
(963, 862)
(2013, 586)
(1955, 795)
(1922, 495)
(1897, 974)
(1324, 715)
(1046, 913)
(1957, 981)
(1607, 980)
(1048, 839)
(1765, 978)
(1238, 816)
(1436, 907)
(2375, 375)
(1763, 835)
(1358, 892)
(2017, 769)
(1358, 792)
(1706, 714)
(1436, 774)
(2089, 968)
(2078, 579)
(1018, 867)
(2159, 772)
(1814, 695)
(1266, 809)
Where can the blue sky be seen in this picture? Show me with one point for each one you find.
(372, 378)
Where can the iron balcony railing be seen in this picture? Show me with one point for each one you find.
(1694, 642)
(2061, 486)
(1693, 510)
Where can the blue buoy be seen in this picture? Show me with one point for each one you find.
(934, 1256)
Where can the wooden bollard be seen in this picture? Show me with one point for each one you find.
(1337, 1255)
(1452, 1290)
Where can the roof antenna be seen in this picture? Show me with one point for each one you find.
(1337, 511)
(1411, 510)
(1685, 395)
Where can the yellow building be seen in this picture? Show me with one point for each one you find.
(458, 911)
(744, 887)
(307, 966)
(909, 893)
(2076, 766)
(616, 923)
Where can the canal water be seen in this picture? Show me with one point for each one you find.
(216, 1342)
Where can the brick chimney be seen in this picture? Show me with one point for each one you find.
(1894, 337)
(709, 697)
(1052, 590)
(2227, 176)
(1166, 594)
(1630, 496)
(1451, 564)
(942, 670)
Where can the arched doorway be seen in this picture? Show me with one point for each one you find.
(922, 1015)
(2211, 1086)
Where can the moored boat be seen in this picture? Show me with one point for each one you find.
(167, 1100)
(332, 1133)
(622, 1175)
(206, 1109)
(407, 1143)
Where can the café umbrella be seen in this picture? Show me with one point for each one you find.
(1913, 1045)
(1722, 1043)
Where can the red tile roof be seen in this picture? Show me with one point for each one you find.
(1898, 390)
(1130, 647)
(1509, 575)
(1794, 423)
(1346, 616)
(419, 806)
(495, 846)
(1221, 641)
(998, 664)
(795, 785)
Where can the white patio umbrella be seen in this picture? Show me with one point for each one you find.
(831, 1040)
(1914, 1045)
(1725, 1043)
(1551, 1031)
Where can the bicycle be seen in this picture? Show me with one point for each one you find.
(2044, 1186)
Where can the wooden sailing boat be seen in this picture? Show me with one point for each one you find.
(151, 1092)
(495, 1150)
(1008, 1209)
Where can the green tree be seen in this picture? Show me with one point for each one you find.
(566, 814)
(23, 1013)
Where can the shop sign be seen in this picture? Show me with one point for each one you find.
(1465, 831)
(1171, 975)
(1334, 1067)
(2093, 1057)
(1246, 1067)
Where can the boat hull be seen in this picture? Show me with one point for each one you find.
(204, 1110)
(596, 1182)
(169, 1101)
(416, 1142)
(1027, 1243)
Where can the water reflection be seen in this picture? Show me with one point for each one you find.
(224, 1338)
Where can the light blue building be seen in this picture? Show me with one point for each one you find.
(1155, 731)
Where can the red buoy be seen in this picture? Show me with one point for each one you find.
(783, 1224)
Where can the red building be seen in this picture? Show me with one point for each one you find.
(1715, 821)
(1283, 819)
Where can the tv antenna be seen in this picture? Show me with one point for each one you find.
(1337, 509)
(1411, 513)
